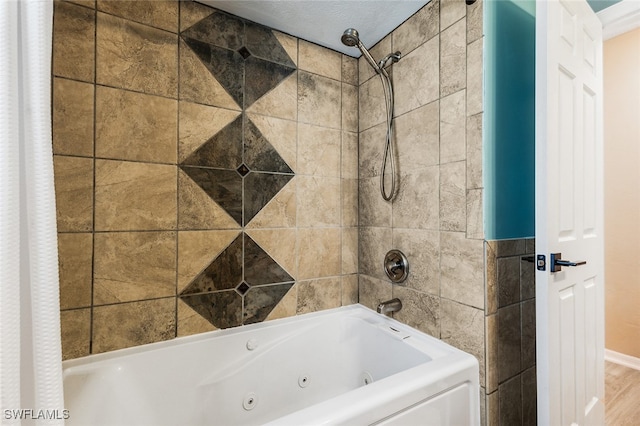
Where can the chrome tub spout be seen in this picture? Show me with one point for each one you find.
(393, 305)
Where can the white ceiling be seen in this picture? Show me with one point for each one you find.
(324, 21)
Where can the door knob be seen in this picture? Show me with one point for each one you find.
(557, 263)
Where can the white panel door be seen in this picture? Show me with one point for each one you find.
(569, 213)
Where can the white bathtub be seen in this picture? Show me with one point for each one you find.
(347, 366)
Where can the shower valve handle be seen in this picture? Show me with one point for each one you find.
(396, 266)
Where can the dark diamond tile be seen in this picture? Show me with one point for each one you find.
(243, 170)
(223, 186)
(219, 29)
(260, 301)
(262, 76)
(225, 65)
(242, 288)
(263, 43)
(259, 189)
(259, 267)
(244, 52)
(223, 150)
(223, 309)
(225, 272)
(259, 154)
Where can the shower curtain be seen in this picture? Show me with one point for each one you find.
(30, 355)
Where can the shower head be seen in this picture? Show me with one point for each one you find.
(350, 37)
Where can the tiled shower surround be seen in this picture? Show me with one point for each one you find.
(206, 172)
(436, 217)
(211, 172)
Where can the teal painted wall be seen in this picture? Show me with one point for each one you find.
(509, 119)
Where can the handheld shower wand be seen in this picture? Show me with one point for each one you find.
(351, 38)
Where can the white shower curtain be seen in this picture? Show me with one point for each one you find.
(30, 355)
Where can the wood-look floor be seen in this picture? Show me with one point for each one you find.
(621, 395)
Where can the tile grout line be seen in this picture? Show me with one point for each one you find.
(177, 168)
(95, 134)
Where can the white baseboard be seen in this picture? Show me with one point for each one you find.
(622, 359)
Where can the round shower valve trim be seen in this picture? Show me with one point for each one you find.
(396, 266)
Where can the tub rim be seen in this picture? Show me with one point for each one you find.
(356, 310)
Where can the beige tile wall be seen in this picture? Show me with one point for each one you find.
(436, 217)
(130, 102)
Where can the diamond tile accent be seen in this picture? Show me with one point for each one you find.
(259, 189)
(218, 29)
(196, 209)
(244, 52)
(223, 309)
(198, 85)
(239, 169)
(259, 267)
(260, 301)
(264, 76)
(223, 186)
(227, 66)
(224, 272)
(247, 63)
(259, 154)
(207, 291)
(223, 150)
(243, 170)
(242, 288)
(263, 43)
